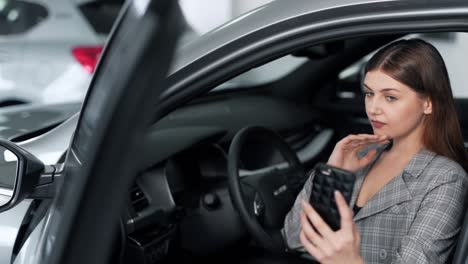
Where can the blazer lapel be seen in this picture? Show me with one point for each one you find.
(392, 193)
(361, 174)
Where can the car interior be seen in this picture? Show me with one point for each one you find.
(181, 207)
(306, 107)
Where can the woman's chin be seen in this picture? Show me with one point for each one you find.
(379, 132)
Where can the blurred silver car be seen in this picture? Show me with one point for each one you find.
(48, 51)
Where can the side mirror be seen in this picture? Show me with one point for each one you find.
(20, 173)
(8, 171)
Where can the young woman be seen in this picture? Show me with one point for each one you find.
(408, 199)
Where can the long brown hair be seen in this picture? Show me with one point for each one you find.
(420, 66)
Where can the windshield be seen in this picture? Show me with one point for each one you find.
(264, 74)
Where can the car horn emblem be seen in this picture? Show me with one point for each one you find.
(280, 190)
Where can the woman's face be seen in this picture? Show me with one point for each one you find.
(393, 108)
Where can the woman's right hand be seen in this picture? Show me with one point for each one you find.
(345, 153)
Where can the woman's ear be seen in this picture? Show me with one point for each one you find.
(427, 104)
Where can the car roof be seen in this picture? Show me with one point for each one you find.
(283, 10)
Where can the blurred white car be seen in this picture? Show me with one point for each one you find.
(48, 51)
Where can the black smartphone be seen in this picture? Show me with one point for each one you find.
(327, 179)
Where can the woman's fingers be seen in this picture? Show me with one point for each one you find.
(355, 143)
(371, 140)
(328, 246)
(363, 136)
(322, 227)
(345, 154)
(311, 248)
(352, 141)
(314, 237)
(309, 231)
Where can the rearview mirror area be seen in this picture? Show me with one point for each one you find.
(8, 174)
(19, 174)
(321, 51)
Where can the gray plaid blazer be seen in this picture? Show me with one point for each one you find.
(415, 218)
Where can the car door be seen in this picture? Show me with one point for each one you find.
(104, 154)
(138, 54)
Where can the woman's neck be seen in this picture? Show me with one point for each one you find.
(408, 145)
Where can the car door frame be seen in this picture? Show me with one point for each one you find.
(275, 40)
(81, 222)
(80, 238)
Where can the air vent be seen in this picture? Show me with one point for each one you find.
(138, 198)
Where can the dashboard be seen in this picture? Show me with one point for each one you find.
(181, 197)
(183, 201)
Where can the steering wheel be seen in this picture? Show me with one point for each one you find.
(263, 197)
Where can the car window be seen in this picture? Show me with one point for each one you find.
(224, 11)
(451, 45)
(265, 73)
(19, 16)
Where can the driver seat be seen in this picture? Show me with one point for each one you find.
(461, 251)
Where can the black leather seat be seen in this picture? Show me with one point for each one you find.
(461, 251)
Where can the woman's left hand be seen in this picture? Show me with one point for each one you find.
(326, 245)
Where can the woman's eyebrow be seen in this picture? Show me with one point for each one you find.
(383, 90)
(367, 87)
